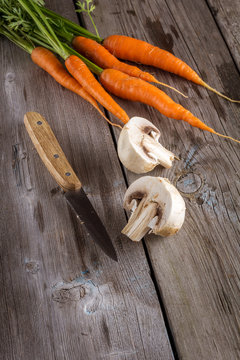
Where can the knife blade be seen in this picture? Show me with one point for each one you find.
(57, 164)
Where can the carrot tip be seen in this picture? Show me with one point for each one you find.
(218, 93)
(227, 137)
(170, 87)
(111, 123)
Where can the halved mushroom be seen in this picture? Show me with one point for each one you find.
(139, 149)
(156, 206)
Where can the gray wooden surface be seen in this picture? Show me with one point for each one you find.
(226, 14)
(61, 297)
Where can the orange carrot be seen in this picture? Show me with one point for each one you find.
(134, 89)
(100, 56)
(83, 75)
(128, 48)
(50, 63)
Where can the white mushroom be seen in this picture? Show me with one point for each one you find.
(139, 149)
(156, 207)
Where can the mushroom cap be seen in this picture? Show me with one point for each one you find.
(139, 149)
(170, 206)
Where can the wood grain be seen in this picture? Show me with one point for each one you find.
(197, 271)
(61, 297)
(227, 14)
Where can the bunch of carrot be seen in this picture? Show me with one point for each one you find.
(123, 80)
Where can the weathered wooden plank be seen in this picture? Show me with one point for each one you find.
(197, 270)
(227, 14)
(61, 297)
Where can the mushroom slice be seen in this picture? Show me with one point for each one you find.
(156, 206)
(139, 149)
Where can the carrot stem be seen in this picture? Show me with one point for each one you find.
(48, 31)
(39, 41)
(76, 29)
(64, 35)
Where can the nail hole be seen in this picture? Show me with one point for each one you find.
(56, 156)
(39, 122)
(67, 173)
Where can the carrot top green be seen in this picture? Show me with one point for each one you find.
(87, 7)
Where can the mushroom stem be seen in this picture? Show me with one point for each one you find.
(156, 206)
(157, 152)
(138, 223)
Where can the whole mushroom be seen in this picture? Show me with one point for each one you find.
(156, 206)
(139, 149)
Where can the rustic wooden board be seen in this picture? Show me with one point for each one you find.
(227, 15)
(197, 270)
(61, 297)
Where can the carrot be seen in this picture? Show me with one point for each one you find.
(99, 55)
(128, 48)
(50, 63)
(83, 75)
(134, 89)
(77, 68)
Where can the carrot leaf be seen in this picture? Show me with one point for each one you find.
(87, 7)
(69, 25)
(39, 2)
(27, 26)
(16, 19)
(43, 25)
(16, 39)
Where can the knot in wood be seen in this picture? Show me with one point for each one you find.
(10, 77)
(189, 183)
(67, 295)
(32, 267)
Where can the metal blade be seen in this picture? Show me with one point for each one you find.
(79, 201)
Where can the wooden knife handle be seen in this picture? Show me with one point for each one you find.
(50, 151)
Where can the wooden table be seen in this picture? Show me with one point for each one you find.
(166, 298)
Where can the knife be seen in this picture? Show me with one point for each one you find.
(57, 164)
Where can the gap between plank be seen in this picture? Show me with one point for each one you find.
(222, 35)
(152, 274)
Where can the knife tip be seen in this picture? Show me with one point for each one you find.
(114, 257)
